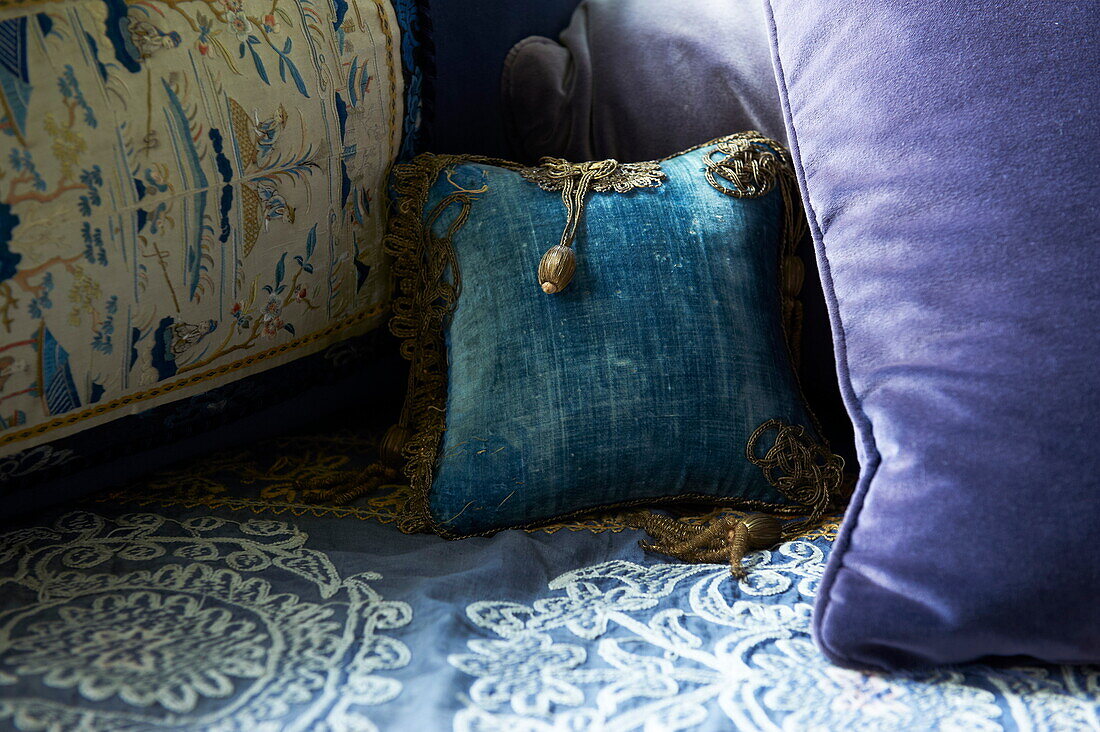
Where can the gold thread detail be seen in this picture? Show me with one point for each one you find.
(423, 302)
(752, 164)
(385, 23)
(426, 299)
(296, 473)
(576, 181)
(799, 467)
(597, 523)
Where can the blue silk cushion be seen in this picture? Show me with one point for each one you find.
(950, 158)
(642, 380)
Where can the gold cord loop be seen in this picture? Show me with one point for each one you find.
(576, 181)
(800, 468)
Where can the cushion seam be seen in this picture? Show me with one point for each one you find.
(855, 407)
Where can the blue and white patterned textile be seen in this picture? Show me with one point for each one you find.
(298, 618)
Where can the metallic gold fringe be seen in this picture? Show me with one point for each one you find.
(800, 468)
(422, 304)
(425, 299)
(345, 486)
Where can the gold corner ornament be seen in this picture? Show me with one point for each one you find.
(749, 163)
(576, 181)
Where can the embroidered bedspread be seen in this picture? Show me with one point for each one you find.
(221, 596)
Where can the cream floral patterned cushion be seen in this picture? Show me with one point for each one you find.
(190, 193)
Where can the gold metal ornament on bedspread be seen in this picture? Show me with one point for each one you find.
(576, 181)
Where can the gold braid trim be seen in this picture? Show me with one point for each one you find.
(425, 300)
(421, 308)
(343, 487)
(800, 468)
(805, 471)
(754, 164)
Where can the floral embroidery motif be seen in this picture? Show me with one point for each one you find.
(630, 647)
(196, 639)
(29, 461)
(147, 622)
(144, 647)
(186, 194)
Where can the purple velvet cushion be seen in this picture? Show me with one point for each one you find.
(950, 160)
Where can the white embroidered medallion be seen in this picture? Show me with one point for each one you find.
(197, 640)
(621, 646)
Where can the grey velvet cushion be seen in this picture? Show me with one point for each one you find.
(641, 79)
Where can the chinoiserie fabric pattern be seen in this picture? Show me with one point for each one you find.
(190, 193)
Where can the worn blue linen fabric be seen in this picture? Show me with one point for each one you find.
(642, 380)
(950, 163)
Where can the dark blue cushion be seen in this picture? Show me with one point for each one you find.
(470, 40)
(950, 159)
(644, 379)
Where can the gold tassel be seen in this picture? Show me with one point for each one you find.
(795, 465)
(728, 538)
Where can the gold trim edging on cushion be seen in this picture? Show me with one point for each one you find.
(279, 475)
(425, 300)
(576, 181)
(614, 522)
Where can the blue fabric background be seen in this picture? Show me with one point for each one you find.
(219, 595)
(282, 616)
(950, 162)
(643, 379)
